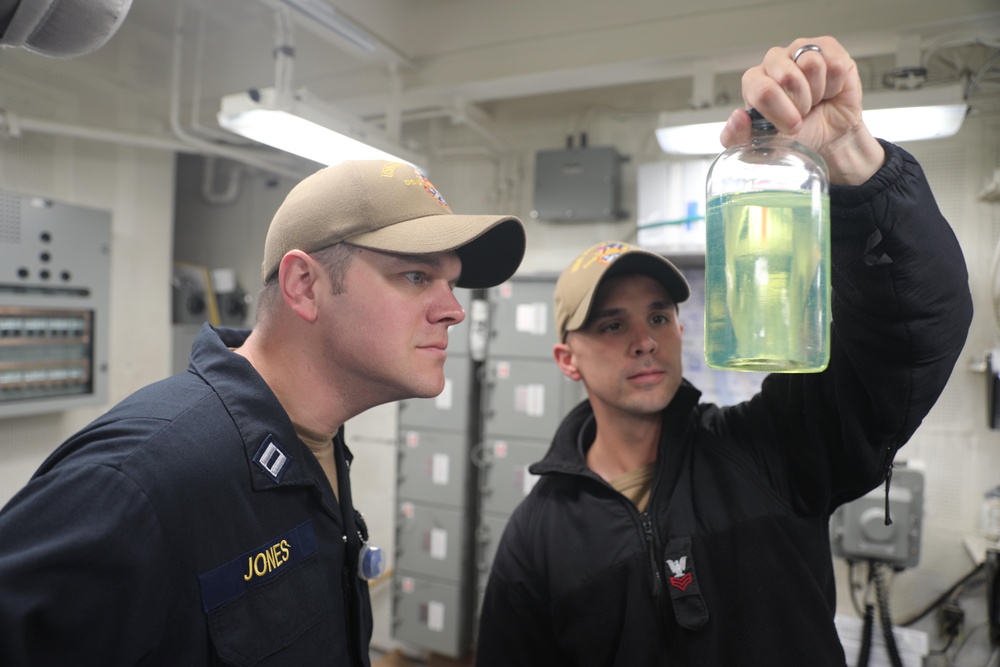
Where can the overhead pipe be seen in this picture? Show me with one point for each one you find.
(460, 113)
(342, 31)
(205, 147)
(208, 177)
(194, 122)
(13, 125)
(393, 118)
(284, 51)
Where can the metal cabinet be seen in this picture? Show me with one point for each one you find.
(435, 491)
(526, 397)
(464, 457)
(430, 541)
(429, 614)
(449, 410)
(504, 478)
(521, 319)
(433, 467)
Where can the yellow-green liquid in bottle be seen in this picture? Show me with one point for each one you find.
(767, 281)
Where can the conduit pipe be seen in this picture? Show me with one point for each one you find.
(205, 147)
(13, 125)
(459, 114)
(194, 123)
(208, 178)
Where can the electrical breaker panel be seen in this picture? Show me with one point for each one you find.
(429, 614)
(527, 398)
(54, 292)
(521, 319)
(504, 477)
(449, 410)
(432, 593)
(433, 467)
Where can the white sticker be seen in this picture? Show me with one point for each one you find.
(439, 543)
(435, 616)
(412, 439)
(444, 399)
(532, 318)
(500, 449)
(440, 465)
(530, 399)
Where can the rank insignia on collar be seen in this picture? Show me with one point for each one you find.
(272, 459)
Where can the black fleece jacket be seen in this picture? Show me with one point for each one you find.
(730, 564)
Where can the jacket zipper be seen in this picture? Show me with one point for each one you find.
(647, 528)
(888, 481)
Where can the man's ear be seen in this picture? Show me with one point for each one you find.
(564, 359)
(298, 275)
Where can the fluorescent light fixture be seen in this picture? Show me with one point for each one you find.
(692, 132)
(305, 127)
(915, 115)
(911, 115)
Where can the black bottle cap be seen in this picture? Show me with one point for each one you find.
(759, 122)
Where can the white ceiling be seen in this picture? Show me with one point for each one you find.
(481, 50)
(451, 52)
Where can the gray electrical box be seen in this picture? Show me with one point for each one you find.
(433, 467)
(524, 399)
(458, 335)
(858, 530)
(54, 292)
(521, 319)
(527, 397)
(504, 476)
(430, 541)
(450, 408)
(578, 184)
(430, 614)
(434, 562)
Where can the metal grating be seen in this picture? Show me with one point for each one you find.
(10, 219)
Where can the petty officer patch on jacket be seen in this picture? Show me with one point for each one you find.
(682, 581)
(228, 582)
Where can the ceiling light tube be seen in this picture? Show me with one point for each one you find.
(307, 128)
(897, 116)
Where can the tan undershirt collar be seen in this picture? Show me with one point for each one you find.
(636, 485)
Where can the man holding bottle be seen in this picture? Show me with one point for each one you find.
(665, 531)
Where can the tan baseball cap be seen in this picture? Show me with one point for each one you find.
(391, 206)
(577, 284)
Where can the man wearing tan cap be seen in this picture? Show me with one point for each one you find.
(666, 531)
(207, 519)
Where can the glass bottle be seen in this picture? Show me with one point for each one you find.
(767, 256)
